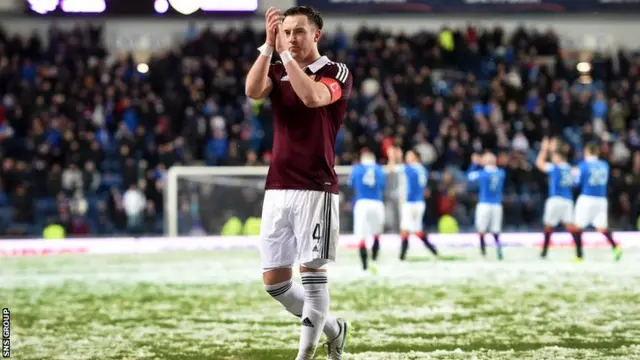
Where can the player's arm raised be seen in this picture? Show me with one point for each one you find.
(473, 174)
(258, 85)
(541, 160)
(313, 93)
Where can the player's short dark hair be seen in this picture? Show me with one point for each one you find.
(592, 148)
(312, 14)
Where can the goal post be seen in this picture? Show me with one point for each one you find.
(199, 198)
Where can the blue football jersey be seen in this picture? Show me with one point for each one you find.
(368, 182)
(416, 177)
(490, 182)
(593, 177)
(560, 180)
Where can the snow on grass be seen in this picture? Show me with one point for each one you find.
(547, 353)
(211, 305)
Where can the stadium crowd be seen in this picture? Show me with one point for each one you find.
(86, 142)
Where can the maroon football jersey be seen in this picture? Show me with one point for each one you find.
(304, 138)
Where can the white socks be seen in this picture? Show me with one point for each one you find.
(309, 301)
(289, 294)
(314, 312)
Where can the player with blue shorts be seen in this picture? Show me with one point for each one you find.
(592, 206)
(368, 181)
(490, 180)
(558, 209)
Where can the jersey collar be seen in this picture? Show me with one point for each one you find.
(318, 64)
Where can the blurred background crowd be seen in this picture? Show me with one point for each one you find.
(86, 139)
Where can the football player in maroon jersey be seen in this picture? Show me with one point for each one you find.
(300, 222)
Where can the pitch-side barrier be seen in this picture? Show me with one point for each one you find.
(145, 245)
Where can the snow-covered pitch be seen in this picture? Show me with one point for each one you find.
(211, 305)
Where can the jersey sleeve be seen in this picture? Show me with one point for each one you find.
(474, 176)
(474, 173)
(548, 167)
(339, 81)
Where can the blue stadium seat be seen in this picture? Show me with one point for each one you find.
(110, 180)
(4, 199)
(6, 215)
(45, 207)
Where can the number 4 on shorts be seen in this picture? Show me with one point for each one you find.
(316, 237)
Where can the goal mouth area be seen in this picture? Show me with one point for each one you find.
(224, 192)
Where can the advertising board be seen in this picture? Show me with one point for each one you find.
(146, 245)
(139, 8)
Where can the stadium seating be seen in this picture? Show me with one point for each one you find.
(64, 104)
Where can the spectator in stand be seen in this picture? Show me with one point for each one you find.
(22, 205)
(134, 204)
(72, 120)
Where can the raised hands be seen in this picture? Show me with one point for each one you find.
(272, 19)
(545, 144)
(553, 144)
(475, 159)
(282, 44)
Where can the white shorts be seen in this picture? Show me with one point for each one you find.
(558, 210)
(489, 218)
(591, 210)
(411, 214)
(368, 218)
(299, 226)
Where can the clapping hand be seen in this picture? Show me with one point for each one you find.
(272, 18)
(282, 44)
(553, 144)
(544, 145)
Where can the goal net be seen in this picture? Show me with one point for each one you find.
(200, 200)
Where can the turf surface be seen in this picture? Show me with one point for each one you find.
(211, 305)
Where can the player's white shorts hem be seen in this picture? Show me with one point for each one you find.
(368, 218)
(489, 218)
(591, 210)
(411, 214)
(298, 226)
(558, 210)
